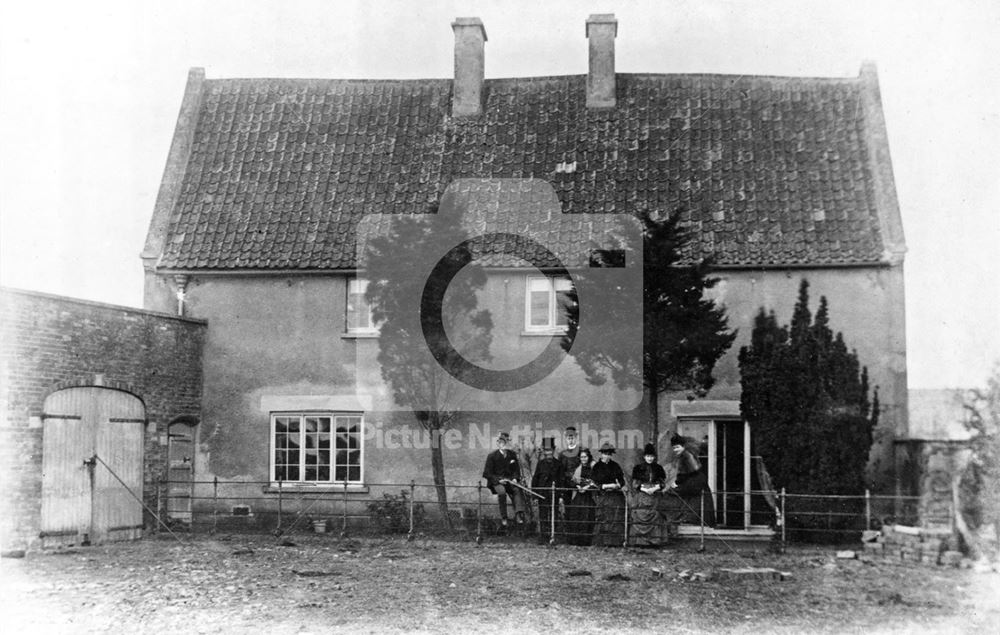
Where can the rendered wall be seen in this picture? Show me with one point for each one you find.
(273, 339)
(865, 304)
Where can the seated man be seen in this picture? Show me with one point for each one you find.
(500, 472)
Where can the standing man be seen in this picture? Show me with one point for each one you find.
(500, 472)
(570, 459)
(548, 473)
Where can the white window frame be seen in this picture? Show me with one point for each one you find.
(352, 287)
(551, 283)
(302, 415)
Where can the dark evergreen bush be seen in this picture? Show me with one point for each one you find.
(806, 398)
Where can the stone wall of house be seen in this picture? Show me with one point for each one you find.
(50, 342)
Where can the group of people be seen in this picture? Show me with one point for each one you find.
(593, 492)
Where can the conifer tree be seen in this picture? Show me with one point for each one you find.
(683, 333)
(806, 398)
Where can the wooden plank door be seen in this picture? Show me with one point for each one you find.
(180, 471)
(82, 500)
(67, 445)
(117, 513)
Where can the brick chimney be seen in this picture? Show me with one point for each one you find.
(601, 31)
(467, 91)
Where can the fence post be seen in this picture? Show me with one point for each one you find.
(784, 520)
(552, 514)
(625, 542)
(413, 490)
(215, 505)
(479, 514)
(159, 508)
(868, 509)
(277, 529)
(701, 520)
(343, 519)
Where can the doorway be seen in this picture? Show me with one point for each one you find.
(92, 458)
(732, 467)
(180, 471)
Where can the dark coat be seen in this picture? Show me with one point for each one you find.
(605, 473)
(499, 466)
(570, 460)
(548, 473)
(648, 474)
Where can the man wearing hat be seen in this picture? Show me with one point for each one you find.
(548, 473)
(570, 459)
(500, 472)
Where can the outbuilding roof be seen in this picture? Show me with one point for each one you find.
(274, 174)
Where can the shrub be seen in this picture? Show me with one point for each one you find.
(391, 514)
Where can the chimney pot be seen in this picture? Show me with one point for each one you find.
(467, 90)
(602, 28)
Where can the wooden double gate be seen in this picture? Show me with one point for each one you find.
(92, 456)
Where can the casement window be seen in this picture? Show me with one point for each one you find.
(317, 448)
(359, 313)
(545, 303)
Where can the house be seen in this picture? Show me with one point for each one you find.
(267, 180)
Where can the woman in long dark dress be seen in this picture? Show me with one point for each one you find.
(649, 527)
(609, 520)
(690, 494)
(580, 511)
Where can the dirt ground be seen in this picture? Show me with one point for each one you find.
(318, 584)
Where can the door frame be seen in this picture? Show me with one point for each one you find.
(715, 413)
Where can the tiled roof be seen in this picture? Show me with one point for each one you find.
(767, 170)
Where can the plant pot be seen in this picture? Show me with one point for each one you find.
(319, 526)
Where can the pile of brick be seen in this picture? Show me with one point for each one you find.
(899, 543)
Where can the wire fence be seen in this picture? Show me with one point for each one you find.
(552, 515)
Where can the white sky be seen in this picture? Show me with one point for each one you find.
(89, 93)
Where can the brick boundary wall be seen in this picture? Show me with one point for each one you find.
(50, 342)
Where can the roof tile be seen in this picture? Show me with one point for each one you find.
(280, 171)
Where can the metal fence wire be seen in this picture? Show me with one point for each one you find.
(552, 515)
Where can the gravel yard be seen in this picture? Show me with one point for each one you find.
(323, 583)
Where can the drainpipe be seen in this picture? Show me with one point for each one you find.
(181, 282)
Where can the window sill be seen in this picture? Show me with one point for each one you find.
(302, 488)
(544, 333)
(360, 335)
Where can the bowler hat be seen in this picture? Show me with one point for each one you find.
(503, 436)
(607, 448)
(676, 440)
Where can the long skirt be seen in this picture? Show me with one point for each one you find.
(609, 519)
(580, 519)
(648, 528)
(685, 503)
